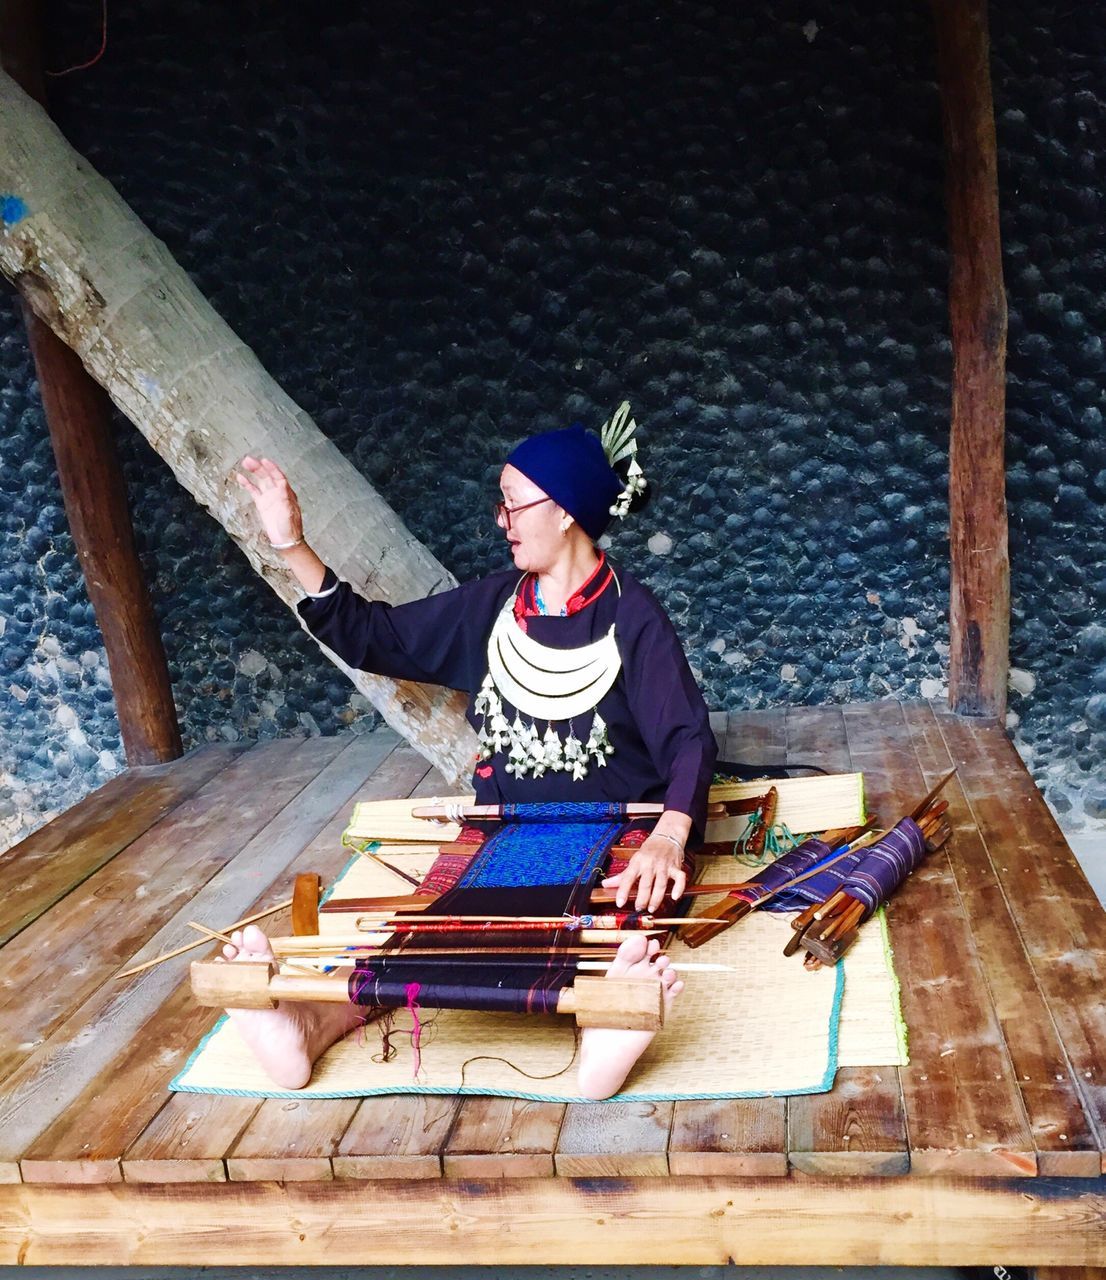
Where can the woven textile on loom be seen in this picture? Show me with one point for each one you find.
(563, 844)
(768, 1028)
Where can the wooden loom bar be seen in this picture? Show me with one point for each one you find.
(596, 1001)
(494, 812)
(191, 946)
(78, 417)
(979, 604)
(423, 902)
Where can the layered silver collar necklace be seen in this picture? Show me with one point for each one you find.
(557, 686)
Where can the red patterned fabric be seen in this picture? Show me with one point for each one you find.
(448, 868)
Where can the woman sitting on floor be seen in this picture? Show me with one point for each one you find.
(633, 728)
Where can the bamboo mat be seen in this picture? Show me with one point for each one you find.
(803, 804)
(768, 1029)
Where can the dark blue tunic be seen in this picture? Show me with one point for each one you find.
(656, 718)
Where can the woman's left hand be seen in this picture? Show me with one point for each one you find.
(656, 865)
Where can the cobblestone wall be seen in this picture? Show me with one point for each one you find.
(441, 230)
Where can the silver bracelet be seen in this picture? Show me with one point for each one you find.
(287, 546)
(671, 839)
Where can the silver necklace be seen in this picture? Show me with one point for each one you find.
(544, 683)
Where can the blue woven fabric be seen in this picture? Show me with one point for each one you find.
(555, 853)
(565, 811)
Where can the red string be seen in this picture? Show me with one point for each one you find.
(83, 66)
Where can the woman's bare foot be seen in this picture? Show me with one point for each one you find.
(288, 1039)
(606, 1055)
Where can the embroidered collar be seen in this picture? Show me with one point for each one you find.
(527, 597)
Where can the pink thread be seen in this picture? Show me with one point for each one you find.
(360, 980)
(413, 989)
(83, 66)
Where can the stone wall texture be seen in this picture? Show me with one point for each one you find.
(443, 227)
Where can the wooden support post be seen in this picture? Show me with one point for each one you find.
(78, 416)
(79, 419)
(979, 604)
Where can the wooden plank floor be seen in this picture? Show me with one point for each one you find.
(998, 940)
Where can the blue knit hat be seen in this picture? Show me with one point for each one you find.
(571, 466)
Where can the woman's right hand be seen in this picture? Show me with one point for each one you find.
(277, 506)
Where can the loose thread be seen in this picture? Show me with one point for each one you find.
(552, 1075)
(779, 840)
(360, 982)
(359, 979)
(385, 1020)
(387, 1029)
(413, 989)
(83, 66)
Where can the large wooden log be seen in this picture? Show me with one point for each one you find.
(99, 278)
(78, 418)
(979, 602)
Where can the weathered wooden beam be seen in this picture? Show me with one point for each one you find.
(979, 600)
(506, 1222)
(111, 291)
(78, 416)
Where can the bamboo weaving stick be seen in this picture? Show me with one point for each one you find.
(191, 946)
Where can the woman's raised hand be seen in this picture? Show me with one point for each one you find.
(277, 506)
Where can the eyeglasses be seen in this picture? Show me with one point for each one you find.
(503, 512)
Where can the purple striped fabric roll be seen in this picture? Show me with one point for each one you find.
(870, 875)
(886, 865)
